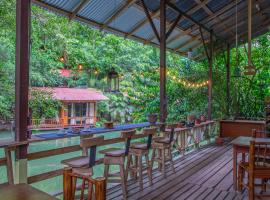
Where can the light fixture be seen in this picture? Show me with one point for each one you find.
(62, 59)
(80, 67)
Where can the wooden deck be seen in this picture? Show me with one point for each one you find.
(202, 174)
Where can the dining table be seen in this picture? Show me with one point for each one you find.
(241, 146)
(23, 192)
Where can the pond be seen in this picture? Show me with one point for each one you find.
(54, 162)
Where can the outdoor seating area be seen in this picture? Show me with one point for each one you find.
(92, 114)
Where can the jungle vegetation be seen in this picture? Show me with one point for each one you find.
(55, 36)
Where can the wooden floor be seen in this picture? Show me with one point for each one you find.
(203, 174)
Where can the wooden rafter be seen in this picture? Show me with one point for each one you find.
(77, 9)
(150, 20)
(120, 10)
(173, 26)
(142, 23)
(211, 17)
(204, 44)
(209, 12)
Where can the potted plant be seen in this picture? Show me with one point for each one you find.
(152, 118)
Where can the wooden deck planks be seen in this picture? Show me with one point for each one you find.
(200, 175)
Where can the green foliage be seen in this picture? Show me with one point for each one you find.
(55, 36)
(43, 105)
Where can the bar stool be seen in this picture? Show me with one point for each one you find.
(138, 150)
(116, 156)
(160, 146)
(82, 167)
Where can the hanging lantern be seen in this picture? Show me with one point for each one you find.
(113, 81)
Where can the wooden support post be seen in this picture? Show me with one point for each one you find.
(100, 188)
(210, 76)
(67, 183)
(228, 98)
(163, 101)
(23, 13)
(9, 166)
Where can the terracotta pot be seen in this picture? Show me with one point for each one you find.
(202, 118)
(108, 125)
(152, 118)
(197, 121)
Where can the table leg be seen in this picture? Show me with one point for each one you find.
(234, 168)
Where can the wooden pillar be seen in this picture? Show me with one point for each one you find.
(23, 13)
(210, 86)
(228, 80)
(67, 183)
(163, 101)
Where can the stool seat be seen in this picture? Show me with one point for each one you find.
(139, 145)
(163, 140)
(114, 152)
(76, 162)
(82, 172)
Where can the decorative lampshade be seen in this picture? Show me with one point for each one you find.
(113, 81)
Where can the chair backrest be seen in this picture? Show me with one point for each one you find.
(149, 132)
(171, 127)
(259, 134)
(127, 135)
(91, 143)
(259, 152)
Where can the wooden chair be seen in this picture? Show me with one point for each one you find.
(138, 150)
(258, 167)
(116, 156)
(82, 167)
(160, 147)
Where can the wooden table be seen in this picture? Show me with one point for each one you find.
(241, 145)
(23, 192)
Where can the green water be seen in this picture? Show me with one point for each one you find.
(53, 162)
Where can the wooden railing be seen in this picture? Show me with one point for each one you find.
(60, 123)
(185, 139)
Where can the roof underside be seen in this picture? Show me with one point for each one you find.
(128, 19)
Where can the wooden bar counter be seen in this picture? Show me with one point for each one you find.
(236, 128)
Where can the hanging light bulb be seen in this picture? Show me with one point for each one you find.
(80, 67)
(189, 53)
(62, 59)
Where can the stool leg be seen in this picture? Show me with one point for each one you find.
(136, 166)
(90, 190)
(149, 172)
(152, 159)
(171, 159)
(128, 168)
(140, 172)
(82, 191)
(106, 171)
(74, 181)
(163, 161)
(123, 181)
(160, 158)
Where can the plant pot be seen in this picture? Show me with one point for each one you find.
(203, 118)
(108, 125)
(152, 118)
(197, 121)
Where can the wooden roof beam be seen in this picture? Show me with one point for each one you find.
(154, 29)
(119, 11)
(209, 12)
(142, 23)
(77, 9)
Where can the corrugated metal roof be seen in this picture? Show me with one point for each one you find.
(96, 12)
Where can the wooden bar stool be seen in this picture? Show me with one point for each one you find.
(82, 167)
(162, 149)
(116, 156)
(138, 150)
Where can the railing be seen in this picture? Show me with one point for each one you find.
(60, 123)
(185, 139)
